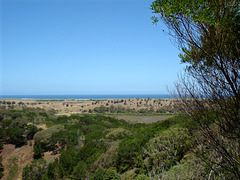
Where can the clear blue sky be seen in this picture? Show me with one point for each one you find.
(84, 47)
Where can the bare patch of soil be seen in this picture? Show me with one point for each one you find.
(24, 156)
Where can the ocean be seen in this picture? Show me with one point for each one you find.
(88, 97)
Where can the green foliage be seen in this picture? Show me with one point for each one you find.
(31, 131)
(6, 122)
(43, 114)
(106, 160)
(13, 168)
(117, 134)
(1, 114)
(2, 136)
(16, 136)
(91, 152)
(142, 177)
(51, 171)
(192, 168)
(103, 147)
(101, 109)
(49, 124)
(111, 174)
(127, 154)
(67, 161)
(65, 137)
(38, 151)
(44, 137)
(93, 127)
(168, 148)
(35, 171)
(196, 11)
(61, 120)
(20, 122)
(15, 114)
(79, 171)
(98, 175)
(95, 135)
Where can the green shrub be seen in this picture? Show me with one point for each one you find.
(192, 168)
(67, 162)
(101, 109)
(105, 161)
(142, 177)
(13, 168)
(44, 137)
(37, 149)
(16, 136)
(98, 175)
(111, 174)
(15, 114)
(31, 131)
(115, 132)
(51, 171)
(20, 122)
(49, 124)
(127, 154)
(167, 148)
(79, 171)
(35, 171)
(6, 122)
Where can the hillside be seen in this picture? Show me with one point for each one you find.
(41, 145)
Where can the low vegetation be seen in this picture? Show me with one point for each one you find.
(101, 147)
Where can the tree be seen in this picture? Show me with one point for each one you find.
(16, 136)
(31, 131)
(208, 34)
(38, 151)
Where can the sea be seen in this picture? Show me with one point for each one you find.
(90, 97)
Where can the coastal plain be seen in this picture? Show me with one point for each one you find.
(138, 109)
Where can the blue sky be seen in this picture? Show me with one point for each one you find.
(84, 47)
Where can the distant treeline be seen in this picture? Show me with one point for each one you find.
(121, 109)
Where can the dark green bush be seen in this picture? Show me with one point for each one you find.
(38, 151)
(16, 136)
(98, 175)
(111, 174)
(35, 171)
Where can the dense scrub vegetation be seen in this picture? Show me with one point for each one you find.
(99, 147)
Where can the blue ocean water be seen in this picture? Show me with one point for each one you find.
(88, 97)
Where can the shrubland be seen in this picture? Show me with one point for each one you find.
(100, 147)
